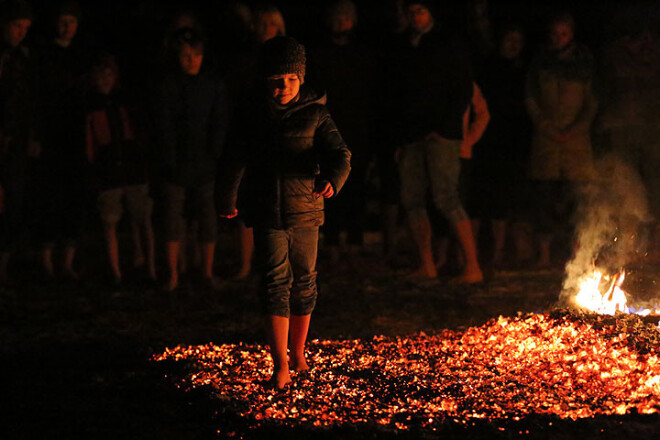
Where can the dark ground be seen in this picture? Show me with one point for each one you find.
(74, 358)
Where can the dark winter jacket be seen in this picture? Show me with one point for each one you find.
(282, 157)
(434, 86)
(191, 125)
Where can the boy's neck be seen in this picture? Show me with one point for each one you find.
(63, 42)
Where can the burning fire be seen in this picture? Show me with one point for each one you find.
(603, 294)
(507, 369)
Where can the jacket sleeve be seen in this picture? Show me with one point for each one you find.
(165, 123)
(334, 155)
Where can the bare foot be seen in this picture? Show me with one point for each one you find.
(298, 364)
(471, 277)
(424, 273)
(243, 273)
(171, 285)
(280, 379)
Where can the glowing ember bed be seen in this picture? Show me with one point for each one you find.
(561, 364)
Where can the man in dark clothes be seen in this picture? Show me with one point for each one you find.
(192, 123)
(293, 157)
(59, 182)
(435, 89)
(344, 68)
(17, 122)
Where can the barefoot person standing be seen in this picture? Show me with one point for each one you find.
(290, 158)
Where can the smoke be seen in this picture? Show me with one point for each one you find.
(611, 215)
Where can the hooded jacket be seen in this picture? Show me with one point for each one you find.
(280, 156)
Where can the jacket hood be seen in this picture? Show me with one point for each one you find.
(307, 97)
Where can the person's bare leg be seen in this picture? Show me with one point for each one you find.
(184, 252)
(208, 253)
(69, 256)
(149, 242)
(544, 260)
(172, 249)
(47, 260)
(441, 249)
(472, 272)
(277, 334)
(298, 328)
(138, 252)
(245, 244)
(499, 240)
(110, 232)
(421, 232)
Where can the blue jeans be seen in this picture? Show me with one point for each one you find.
(286, 259)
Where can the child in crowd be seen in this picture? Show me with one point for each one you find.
(119, 164)
(292, 158)
(192, 124)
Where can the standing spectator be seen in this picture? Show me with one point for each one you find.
(560, 100)
(629, 123)
(293, 158)
(268, 23)
(59, 172)
(18, 136)
(436, 89)
(351, 103)
(500, 186)
(119, 166)
(192, 122)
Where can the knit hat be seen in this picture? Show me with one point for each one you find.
(69, 7)
(15, 10)
(282, 55)
(428, 4)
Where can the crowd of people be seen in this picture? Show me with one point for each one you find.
(449, 127)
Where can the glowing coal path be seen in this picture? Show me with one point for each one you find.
(507, 369)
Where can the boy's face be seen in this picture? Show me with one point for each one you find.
(283, 88)
(190, 59)
(67, 26)
(16, 30)
(105, 81)
(561, 34)
(341, 23)
(512, 45)
(419, 17)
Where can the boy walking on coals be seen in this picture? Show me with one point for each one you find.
(291, 158)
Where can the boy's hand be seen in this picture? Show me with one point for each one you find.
(232, 215)
(324, 189)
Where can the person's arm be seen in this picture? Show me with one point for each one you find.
(473, 130)
(334, 157)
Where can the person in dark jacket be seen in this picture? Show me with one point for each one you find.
(435, 89)
(59, 184)
(18, 124)
(192, 123)
(351, 103)
(293, 157)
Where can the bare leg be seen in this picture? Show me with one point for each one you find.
(472, 272)
(110, 231)
(277, 333)
(421, 232)
(138, 252)
(389, 230)
(173, 248)
(544, 251)
(150, 246)
(208, 253)
(499, 240)
(69, 256)
(299, 326)
(245, 244)
(47, 260)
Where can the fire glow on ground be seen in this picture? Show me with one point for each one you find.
(557, 364)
